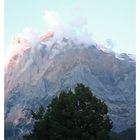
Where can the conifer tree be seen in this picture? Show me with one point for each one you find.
(73, 115)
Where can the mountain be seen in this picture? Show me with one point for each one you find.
(128, 134)
(38, 70)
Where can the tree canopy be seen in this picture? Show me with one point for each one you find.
(73, 115)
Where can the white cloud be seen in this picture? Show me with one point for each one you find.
(75, 28)
(79, 22)
(52, 18)
(30, 35)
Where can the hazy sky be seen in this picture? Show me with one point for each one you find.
(106, 19)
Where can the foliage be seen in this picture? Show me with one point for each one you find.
(74, 115)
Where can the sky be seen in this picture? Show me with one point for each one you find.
(107, 20)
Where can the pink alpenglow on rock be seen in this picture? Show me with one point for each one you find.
(46, 36)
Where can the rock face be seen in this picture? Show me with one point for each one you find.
(42, 71)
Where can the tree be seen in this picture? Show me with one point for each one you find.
(73, 115)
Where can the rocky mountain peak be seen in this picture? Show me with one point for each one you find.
(43, 66)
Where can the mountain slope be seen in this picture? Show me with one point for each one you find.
(40, 72)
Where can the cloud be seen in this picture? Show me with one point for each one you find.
(26, 39)
(52, 18)
(79, 22)
(75, 28)
(30, 35)
(109, 43)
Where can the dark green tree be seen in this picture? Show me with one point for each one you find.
(73, 115)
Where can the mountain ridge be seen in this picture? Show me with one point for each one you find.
(43, 70)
